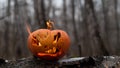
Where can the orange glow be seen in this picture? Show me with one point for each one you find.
(28, 28)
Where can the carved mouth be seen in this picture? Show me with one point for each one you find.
(50, 54)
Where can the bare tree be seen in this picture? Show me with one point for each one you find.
(6, 39)
(65, 15)
(49, 8)
(73, 20)
(40, 15)
(117, 22)
(19, 44)
(16, 44)
(95, 34)
(8, 8)
(6, 35)
(75, 33)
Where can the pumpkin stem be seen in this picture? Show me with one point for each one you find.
(49, 24)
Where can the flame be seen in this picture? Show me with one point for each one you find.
(28, 28)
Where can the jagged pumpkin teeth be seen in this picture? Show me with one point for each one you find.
(48, 44)
(53, 50)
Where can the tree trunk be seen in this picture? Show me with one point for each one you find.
(40, 15)
(73, 21)
(117, 24)
(6, 47)
(8, 8)
(95, 34)
(86, 44)
(49, 8)
(75, 33)
(65, 15)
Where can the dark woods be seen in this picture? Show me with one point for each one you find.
(93, 25)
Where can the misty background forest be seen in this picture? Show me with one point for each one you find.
(93, 25)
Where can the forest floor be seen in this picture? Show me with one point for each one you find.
(78, 62)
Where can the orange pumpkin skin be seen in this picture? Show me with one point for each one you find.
(49, 44)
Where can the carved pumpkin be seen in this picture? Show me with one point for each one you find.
(48, 44)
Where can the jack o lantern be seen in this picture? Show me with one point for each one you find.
(48, 44)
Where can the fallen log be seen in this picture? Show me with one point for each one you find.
(78, 62)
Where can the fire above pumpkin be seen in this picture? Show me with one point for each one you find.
(48, 44)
